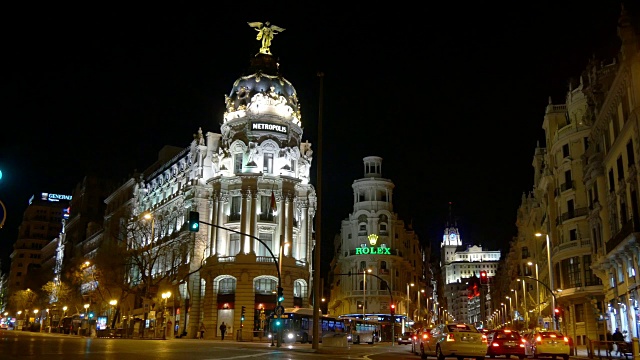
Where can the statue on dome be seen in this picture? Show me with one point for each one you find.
(266, 32)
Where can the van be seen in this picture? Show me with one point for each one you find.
(69, 324)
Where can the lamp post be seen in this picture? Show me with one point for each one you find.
(165, 297)
(364, 292)
(48, 320)
(113, 303)
(553, 299)
(35, 318)
(516, 310)
(408, 299)
(510, 307)
(537, 286)
(524, 303)
(419, 295)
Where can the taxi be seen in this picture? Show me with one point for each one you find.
(547, 343)
(456, 340)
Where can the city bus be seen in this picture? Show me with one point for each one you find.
(362, 331)
(297, 325)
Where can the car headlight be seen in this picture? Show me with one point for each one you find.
(290, 336)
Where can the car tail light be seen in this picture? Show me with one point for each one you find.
(566, 339)
(415, 337)
(425, 336)
(539, 339)
(495, 344)
(450, 337)
(523, 340)
(484, 338)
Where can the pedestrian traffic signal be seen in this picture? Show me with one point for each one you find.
(280, 294)
(194, 221)
(393, 309)
(242, 314)
(483, 277)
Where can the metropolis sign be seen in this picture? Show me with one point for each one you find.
(269, 127)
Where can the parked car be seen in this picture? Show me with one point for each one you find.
(547, 343)
(405, 338)
(456, 340)
(505, 342)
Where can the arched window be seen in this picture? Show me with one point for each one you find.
(227, 286)
(265, 285)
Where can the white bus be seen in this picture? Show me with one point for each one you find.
(362, 331)
(297, 325)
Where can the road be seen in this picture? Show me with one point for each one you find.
(27, 345)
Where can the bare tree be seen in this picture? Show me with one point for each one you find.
(153, 253)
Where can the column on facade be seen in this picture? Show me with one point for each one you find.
(289, 225)
(211, 230)
(244, 214)
(221, 234)
(195, 315)
(215, 210)
(209, 307)
(253, 203)
(280, 231)
(303, 233)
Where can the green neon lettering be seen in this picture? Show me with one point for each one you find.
(358, 251)
(366, 250)
(387, 251)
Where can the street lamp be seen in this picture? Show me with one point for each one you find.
(524, 302)
(364, 292)
(537, 285)
(165, 297)
(510, 307)
(553, 300)
(113, 303)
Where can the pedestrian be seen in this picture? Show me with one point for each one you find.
(609, 343)
(618, 338)
(202, 330)
(223, 329)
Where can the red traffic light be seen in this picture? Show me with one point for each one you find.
(483, 273)
(393, 309)
(557, 311)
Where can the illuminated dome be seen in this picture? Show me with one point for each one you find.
(265, 93)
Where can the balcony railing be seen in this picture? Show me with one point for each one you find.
(626, 230)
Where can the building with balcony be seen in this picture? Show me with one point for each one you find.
(250, 186)
(583, 201)
(611, 180)
(378, 260)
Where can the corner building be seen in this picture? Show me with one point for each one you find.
(249, 182)
(384, 258)
(259, 189)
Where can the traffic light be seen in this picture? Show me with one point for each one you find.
(280, 294)
(91, 314)
(242, 314)
(484, 279)
(194, 221)
(556, 313)
(393, 309)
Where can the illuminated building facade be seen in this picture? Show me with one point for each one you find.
(374, 241)
(458, 265)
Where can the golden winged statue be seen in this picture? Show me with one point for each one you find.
(266, 32)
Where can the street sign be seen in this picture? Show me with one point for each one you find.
(280, 310)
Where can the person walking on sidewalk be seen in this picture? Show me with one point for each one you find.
(202, 330)
(223, 329)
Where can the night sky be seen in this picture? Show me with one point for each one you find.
(452, 97)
